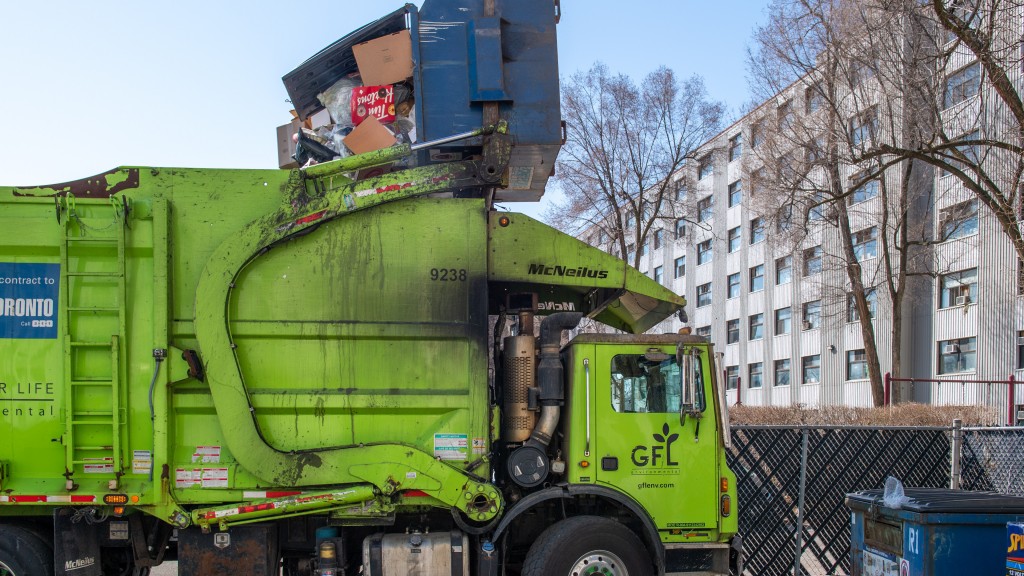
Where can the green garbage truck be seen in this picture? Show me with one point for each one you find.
(356, 366)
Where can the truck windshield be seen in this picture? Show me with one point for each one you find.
(642, 385)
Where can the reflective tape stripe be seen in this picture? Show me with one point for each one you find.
(37, 498)
(269, 494)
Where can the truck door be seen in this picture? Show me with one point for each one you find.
(646, 447)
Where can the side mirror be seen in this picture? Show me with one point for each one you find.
(688, 366)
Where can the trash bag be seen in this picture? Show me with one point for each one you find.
(894, 496)
(338, 100)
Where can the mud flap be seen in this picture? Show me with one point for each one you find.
(251, 550)
(76, 546)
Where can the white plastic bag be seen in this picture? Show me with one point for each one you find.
(338, 100)
(894, 497)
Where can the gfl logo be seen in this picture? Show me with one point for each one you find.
(653, 455)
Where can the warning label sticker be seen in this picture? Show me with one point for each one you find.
(28, 300)
(451, 446)
(142, 462)
(479, 446)
(206, 455)
(201, 477)
(99, 465)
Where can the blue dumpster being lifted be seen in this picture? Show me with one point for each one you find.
(935, 532)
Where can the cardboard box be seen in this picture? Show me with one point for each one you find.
(384, 60)
(377, 101)
(370, 135)
(285, 144)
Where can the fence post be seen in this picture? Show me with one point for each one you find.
(1010, 410)
(954, 455)
(888, 390)
(800, 504)
(739, 390)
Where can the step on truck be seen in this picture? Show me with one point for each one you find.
(359, 366)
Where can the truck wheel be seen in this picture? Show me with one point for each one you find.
(22, 553)
(588, 545)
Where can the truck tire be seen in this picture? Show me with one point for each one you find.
(588, 545)
(22, 553)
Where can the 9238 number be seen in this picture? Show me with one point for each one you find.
(448, 274)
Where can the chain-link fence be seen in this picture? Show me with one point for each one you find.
(992, 459)
(798, 476)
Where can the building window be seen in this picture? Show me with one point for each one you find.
(812, 315)
(817, 210)
(783, 320)
(735, 237)
(1020, 349)
(865, 243)
(756, 331)
(957, 355)
(785, 116)
(704, 252)
(755, 372)
(735, 193)
(863, 193)
(680, 192)
(734, 285)
(630, 219)
(958, 288)
(813, 98)
(812, 261)
(784, 270)
(704, 331)
(757, 230)
(969, 151)
(782, 372)
(643, 249)
(658, 274)
(704, 206)
(851, 305)
(856, 365)
(629, 253)
(680, 264)
(704, 295)
(659, 238)
(756, 135)
(962, 85)
(811, 369)
(735, 147)
(732, 331)
(959, 220)
(705, 167)
(757, 278)
(784, 218)
(732, 377)
(863, 127)
(680, 228)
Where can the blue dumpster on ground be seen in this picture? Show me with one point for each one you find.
(936, 532)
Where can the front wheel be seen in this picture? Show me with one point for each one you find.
(588, 546)
(22, 553)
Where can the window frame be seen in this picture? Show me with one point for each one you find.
(964, 217)
(705, 167)
(736, 147)
(953, 85)
(778, 371)
(735, 193)
(758, 231)
(784, 270)
(952, 286)
(755, 379)
(734, 241)
(865, 243)
(966, 353)
(816, 255)
(756, 275)
(783, 321)
(706, 208)
(680, 266)
(755, 320)
(808, 363)
(810, 315)
(704, 295)
(856, 365)
(704, 252)
(732, 331)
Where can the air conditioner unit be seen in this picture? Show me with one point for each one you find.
(808, 325)
(951, 349)
(961, 300)
(1020, 340)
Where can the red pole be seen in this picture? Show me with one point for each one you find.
(888, 389)
(1010, 401)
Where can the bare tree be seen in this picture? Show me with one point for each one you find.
(976, 113)
(838, 72)
(619, 170)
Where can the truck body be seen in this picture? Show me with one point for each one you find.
(327, 372)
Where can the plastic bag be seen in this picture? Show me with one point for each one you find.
(894, 497)
(338, 100)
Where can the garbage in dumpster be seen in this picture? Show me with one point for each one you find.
(894, 496)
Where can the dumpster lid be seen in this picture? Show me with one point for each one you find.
(331, 64)
(935, 500)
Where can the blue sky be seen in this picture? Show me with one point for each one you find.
(91, 86)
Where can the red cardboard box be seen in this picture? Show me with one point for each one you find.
(376, 101)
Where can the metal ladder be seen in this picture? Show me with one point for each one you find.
(93, 320)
